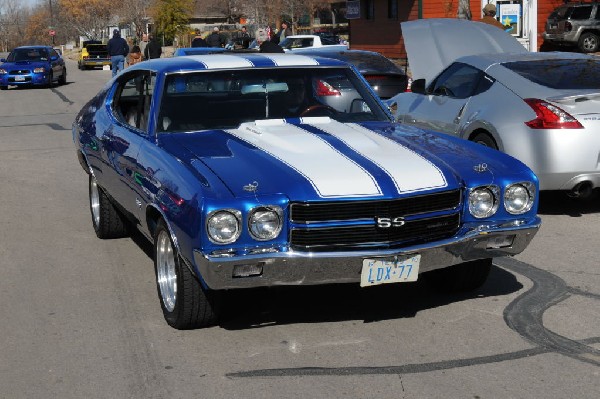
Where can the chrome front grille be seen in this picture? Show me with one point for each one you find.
(352, 224)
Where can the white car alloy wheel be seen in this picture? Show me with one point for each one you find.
(166, 273)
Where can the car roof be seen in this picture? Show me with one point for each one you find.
(36, 46)
(233, 61)
(484, 61)
(359, 58)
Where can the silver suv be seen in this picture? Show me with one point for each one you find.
(574, 24)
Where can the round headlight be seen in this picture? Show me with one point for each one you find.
(483, 202)
(265, 223)
(518, 199)
(223, 226)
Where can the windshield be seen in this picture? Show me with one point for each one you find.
(297, 42)
(28, 54)
(560, 74)
(225, 99)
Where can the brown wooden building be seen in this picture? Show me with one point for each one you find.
(377, 27)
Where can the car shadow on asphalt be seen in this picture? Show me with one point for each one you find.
(559, 203)
(263, 307)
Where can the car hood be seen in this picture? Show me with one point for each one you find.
(26, 64)
(433, 44)
(319, 158)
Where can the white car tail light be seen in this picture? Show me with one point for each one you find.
(550, 116)
(325, 89)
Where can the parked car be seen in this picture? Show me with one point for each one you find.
(234, 192)
(385, 77)
(541, 108)
(93, 54)
(32, 66)
(574, 24)
(296, 42)
(182, 51)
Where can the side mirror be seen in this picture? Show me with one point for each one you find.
(53, 58)
(418, 86)
(358, 106)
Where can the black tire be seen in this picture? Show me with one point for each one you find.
(106, 219)
(459, 278)
(3, 87)
(63, 78)
(589, 42)
(50, 80)
(485, 139)
(185, 303)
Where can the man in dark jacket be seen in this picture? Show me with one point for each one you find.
(215, 39)
(117, 50)
(153, 49)
(199, 41)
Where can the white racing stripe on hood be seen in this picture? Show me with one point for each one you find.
(331, 173)
(409, 170)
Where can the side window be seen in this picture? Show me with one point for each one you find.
(457, 81)
(53, 53)
(583, 12)
(131, 104)
(597, 13)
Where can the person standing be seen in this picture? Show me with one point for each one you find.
(284, 32)
(215, 39)
(245, 37)
(135, 55)
(153, 48)
(489, 16)
(117, 50)
(143, 43)
(199, 40)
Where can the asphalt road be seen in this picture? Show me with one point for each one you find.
(80, 317)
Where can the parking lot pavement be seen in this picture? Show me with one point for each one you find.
(81, 318)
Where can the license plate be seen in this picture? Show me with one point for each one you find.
(385, 271)
(19, 78)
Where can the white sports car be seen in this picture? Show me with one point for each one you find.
(480, 84)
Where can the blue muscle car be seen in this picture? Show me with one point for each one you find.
(255, 170)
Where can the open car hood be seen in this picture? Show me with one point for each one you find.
(433, 44)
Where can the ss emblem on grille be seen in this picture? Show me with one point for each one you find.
(386, 223)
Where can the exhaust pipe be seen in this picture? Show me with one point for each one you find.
(583, 189)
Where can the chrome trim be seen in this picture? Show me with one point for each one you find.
(530, 187)
(274, 208)
(238, 216)
(495, 190)
(309, 268)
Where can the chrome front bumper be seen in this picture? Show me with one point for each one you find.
(311, 268)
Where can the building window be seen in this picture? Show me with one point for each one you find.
(368, 9)
(393, 9)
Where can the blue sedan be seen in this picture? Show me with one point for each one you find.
(32, 66)
(253, 170)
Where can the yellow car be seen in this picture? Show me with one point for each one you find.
(93, 54)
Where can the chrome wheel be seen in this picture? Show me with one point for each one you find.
(165, 270)
(95, 202)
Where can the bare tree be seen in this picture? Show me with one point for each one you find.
(464, 10)
(88, 18)
(13, 16)
(135, 12)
